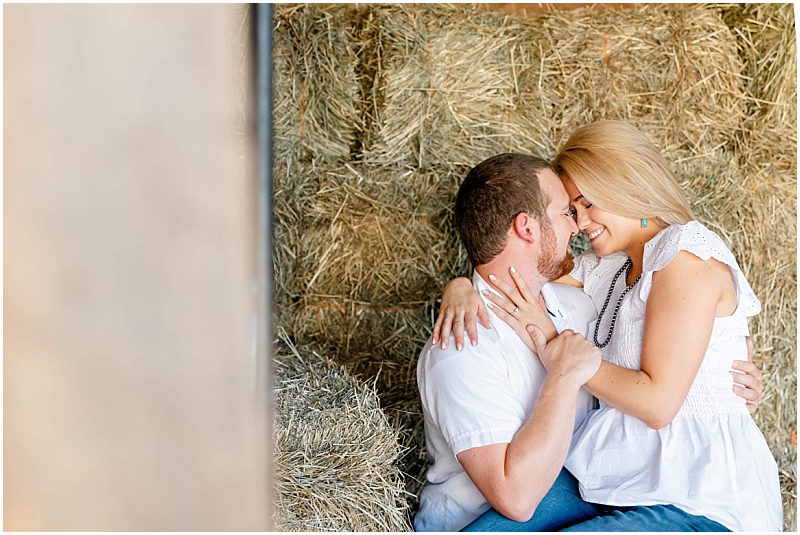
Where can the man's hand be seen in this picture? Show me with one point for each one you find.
(568, 355)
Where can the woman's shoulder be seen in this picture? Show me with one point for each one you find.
(696, 239)
(692, 237)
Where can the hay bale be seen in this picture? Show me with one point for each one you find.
(370, 341)
(767, 251)
(671, 70)
(371, 260)
(448, 87)
(380, 234)
(766, 44)
(316, 87)
(335, 451)
(317, 119)
(294, 186)
(766, 41)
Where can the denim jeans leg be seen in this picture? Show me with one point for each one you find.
(561, 506)
(647, 518)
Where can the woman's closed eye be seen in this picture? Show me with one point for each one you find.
(574, 211)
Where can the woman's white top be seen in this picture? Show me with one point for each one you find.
(711, 460)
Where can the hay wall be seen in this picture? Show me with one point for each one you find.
(381, 110)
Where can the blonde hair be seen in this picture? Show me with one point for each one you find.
(618, 169)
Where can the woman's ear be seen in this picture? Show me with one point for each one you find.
(525, 227)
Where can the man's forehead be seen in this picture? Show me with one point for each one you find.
(551, 185)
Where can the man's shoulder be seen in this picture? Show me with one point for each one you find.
(488, 341)
(488, 351)
(454, 384)
(571, 307)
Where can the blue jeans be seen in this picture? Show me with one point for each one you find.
(563, 509)
(562, 506)
(646, 518)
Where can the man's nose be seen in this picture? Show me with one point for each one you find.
(573, 227)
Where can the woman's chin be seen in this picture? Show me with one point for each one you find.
(601, 251)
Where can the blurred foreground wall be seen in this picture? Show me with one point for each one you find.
(132, 398)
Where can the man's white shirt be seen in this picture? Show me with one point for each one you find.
(482, 395)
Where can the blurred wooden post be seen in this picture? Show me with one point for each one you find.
(132, 399)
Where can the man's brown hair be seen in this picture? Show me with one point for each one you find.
(494, 192)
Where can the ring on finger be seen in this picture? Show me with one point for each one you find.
(516, 309)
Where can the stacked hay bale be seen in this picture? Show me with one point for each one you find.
(454, 87)
(335, 451)
(766, 245)
(381, 110)
(315, 122)
(459, 85)
(334, 226)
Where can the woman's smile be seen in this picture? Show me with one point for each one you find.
(595, 233)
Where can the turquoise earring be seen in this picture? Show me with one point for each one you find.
(644, 223)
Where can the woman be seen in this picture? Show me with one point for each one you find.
(673, 306)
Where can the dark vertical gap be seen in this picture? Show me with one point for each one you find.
(264, 137)
(365, 32)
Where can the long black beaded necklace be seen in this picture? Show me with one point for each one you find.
(627, 269)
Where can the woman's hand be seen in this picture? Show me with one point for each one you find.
(519, 308)
(461, 304)
(749, 377)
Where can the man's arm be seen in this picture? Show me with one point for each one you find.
(515, 476)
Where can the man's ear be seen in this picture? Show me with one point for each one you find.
(525, 227)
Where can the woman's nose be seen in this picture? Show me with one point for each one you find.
(582, 219)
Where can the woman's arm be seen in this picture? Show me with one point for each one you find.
(461, 305)
(569, 280)
(678, 322)
(746, 374)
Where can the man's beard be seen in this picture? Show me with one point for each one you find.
(550, 265)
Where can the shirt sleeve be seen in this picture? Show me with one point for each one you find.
(584, 264)
(470, 398)
(694, 238)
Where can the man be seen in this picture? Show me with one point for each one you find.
(497, 425)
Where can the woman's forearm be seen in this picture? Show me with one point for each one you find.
(634, 392)
(459, 283)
